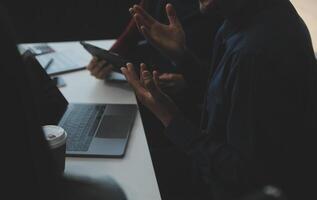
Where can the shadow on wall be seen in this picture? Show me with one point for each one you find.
(57, 20)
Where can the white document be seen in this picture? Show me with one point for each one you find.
(62, 61)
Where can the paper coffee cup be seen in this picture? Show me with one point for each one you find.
(56, 138)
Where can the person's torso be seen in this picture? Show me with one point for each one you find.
(280, 35)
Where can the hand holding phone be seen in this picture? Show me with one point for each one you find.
(102, 54)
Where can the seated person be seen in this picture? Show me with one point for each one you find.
(131, 44)
(28, 169)
(261, 103)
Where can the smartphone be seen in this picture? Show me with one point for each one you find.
(102, 54)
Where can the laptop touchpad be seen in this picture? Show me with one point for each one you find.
(114, 126)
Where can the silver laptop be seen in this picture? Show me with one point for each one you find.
(98, 130)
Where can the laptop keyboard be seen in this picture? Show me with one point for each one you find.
(80, 123)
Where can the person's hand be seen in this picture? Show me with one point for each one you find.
(172, 83)
(149, 93)
(168, 39)
(99, 69)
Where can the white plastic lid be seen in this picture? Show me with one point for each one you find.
(55, 135)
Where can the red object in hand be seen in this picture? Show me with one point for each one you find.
(130, 37)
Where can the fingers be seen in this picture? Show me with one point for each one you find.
(92, 63)
(172, 16)
(147, 34)
(136, 19)
(99, 69)
(131, 71)
(142, 69)
(131, 11)
(150, 83)
(104, 72)
(145, 18)
(141, 18)
(167, 80)
(171, 80)
(166, 77)
(130, 74)
(156, 76)
(140, 22)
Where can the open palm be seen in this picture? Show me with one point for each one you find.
(149, 94)
(168, 39)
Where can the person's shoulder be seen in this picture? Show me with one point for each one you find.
(280, 25)
(275, 32)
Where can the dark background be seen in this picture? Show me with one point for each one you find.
(57, 20)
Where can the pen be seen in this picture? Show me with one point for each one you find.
(49, 64)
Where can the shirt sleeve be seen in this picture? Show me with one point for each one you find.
(195, 72)
(129, 38)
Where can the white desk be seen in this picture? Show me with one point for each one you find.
(134, 172)
(307, 10)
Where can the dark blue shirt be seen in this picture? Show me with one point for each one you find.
(261, 95)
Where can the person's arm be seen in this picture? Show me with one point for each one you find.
(201, 45)
(213, 158)
(130, 37)
(228, 160)
(170, 40)
(195, 71)
(126, 41)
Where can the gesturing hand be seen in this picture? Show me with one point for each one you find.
(99, 68)
(148, 92)
(171, 83)
(168, 39)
